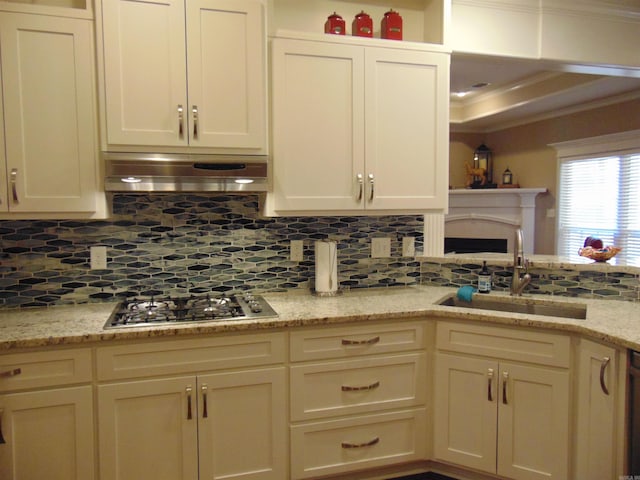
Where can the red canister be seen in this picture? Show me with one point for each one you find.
(391, 26)
(362, 25)
(334, 24)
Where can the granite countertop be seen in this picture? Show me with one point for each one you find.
(614, 322)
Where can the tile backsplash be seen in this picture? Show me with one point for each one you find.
(183, 244)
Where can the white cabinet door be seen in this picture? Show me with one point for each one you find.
(145, 72)
(185, 73)
(407, 119)
(318, 122)
(533, 422)
(48, 434)
(49, 114)
(597, 399)
(242, 426)
(148, 430)
(465, 411)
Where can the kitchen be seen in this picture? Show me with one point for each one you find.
(173, 242)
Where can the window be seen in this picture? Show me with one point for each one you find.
(599, 195)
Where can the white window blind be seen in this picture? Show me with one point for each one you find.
(599, 195)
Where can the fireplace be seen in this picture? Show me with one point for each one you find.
(485, 220)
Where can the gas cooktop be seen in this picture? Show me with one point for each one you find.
(194, 308)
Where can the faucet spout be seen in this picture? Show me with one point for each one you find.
(520, 263)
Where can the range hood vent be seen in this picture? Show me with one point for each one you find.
(146, 172)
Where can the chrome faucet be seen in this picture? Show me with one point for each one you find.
(520, 263)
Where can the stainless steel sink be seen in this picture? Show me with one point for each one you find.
(519, 305)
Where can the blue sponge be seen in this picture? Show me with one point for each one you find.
(466, 293)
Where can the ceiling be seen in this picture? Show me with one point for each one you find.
(522, 91)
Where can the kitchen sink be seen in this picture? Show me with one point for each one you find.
(519, 305)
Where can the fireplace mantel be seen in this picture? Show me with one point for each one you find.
(493, 213)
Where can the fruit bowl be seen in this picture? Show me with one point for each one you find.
(599, 254)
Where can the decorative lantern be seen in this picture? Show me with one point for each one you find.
(507, 177)
(335, 24)
(483, 160)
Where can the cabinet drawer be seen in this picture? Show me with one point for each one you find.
(189, 356)
(506, 343)
(339, 342)
(44, 369)
(340, 446)
(357, 386)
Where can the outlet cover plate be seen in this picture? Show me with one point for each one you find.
(98, 257)
(296, 250)
(408, 246)
(380, 247)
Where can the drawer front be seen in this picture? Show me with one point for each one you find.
(506, 343)
(340, 342)
(44, 369)
(357, 386)
(326, 448)
(189, 356)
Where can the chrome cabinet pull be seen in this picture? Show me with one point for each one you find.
(505, 379)
(361, 445)
(2, 440)
(360, 179)
(194, 110)
(189, 411)
(374, 385)
(205, 414)
(14, 187)
(180, 122)
(490, 384)
(371, 184)
(603, 367)
(370, 341)
(11, 373)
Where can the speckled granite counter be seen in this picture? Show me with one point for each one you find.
(615, 322)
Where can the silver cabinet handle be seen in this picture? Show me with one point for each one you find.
(11, 373)
(360, 179)
(361, 445)
(194, 110)
(205, 414)
(374, 385)
(505, 379)
(369, 341)
(603, 367)
(371, 185)
(189, 411)
(14, 181)
(490, 384)
(180, 122)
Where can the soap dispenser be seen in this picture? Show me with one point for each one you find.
(484, 279)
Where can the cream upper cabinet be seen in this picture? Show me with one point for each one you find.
(183, 73)
(48, 156)
(358, 128)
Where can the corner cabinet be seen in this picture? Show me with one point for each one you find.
(359, 127)
(183, 73)
(48, 156)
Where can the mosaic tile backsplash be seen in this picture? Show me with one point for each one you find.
(193, 244)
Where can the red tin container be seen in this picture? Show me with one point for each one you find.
(335, 25)
(391, 26)
(362, 25)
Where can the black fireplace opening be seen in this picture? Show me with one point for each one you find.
(474, 245)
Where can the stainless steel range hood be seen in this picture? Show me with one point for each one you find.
(146, 172)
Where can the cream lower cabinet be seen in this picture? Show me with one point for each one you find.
(358, 398)
(599, 412)
(48, 155)
(218, 425)
(357, 128)
(46, 426)
(499, 415)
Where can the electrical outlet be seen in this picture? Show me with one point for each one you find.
(296, 250)
(98, 257)
(380, 247)
(408, 246)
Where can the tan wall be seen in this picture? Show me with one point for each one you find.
(525, 150)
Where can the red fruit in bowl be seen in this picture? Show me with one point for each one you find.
(594, 243)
